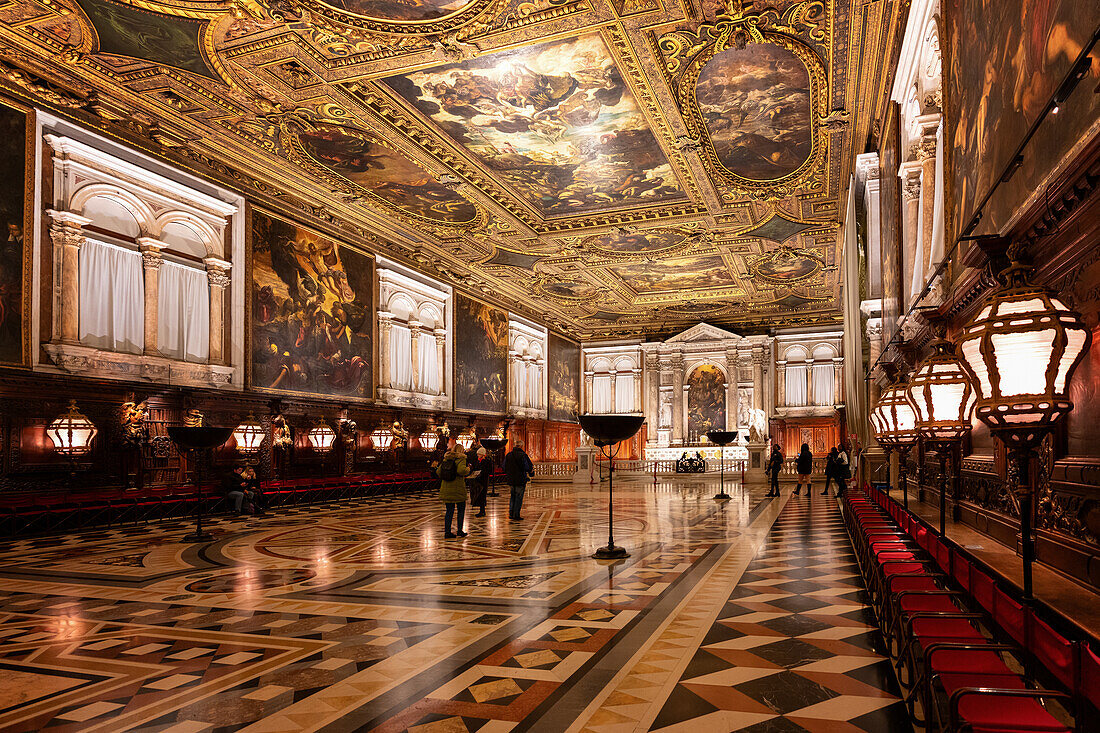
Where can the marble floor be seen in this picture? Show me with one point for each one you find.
(745, 615)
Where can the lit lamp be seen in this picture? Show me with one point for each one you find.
(382, 439)
(321, 437)
(467, 439)
(1022, 347)
(942, 394)
(894, 420)
(249, 436)
(72, 433)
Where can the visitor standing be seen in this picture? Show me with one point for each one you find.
(832, 471)
(480, 489)
(452, 472)
(518, 470)
(804, 465)
(843, 470)
(775, 465)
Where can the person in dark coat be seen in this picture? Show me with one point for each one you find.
(773, 467)
(518, 470)
(480, 489)
(804, 465)
(832, 471)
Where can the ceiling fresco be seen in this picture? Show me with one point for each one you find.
(609, 167)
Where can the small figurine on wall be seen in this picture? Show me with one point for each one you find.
(192, 417)
(133, 435)
(282, 441)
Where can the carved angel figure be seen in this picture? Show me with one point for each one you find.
(280, 434)
(192, 417)
(132, 419)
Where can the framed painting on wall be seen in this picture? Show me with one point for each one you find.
(564, 366)
(311, 317)
(17, 172)
(480, 356)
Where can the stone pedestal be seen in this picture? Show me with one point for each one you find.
(758, 458)
(586, 465)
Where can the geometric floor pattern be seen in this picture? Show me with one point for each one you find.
(739, 615)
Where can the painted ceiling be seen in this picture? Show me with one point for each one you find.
(611, 167)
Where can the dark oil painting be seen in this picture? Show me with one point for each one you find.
(706, 400)
(1006, 61)
(680, 273)
(554, 121)
(160, 39)
(755, 103)
(480, 356)
(565, 379)
(637, 243)
(13, 172)
(312, 312)
(785, 266)
(386, 173)
(401, 10)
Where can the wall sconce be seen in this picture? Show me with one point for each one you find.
(72, 433)
(249, 436)
(321, 437)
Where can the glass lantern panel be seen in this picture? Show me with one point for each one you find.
(906, 418)
(1075, 341)
(1029, 306)
(1021, 360)
(971, 351)
(947, 401)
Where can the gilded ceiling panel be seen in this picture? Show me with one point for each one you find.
(619, 166)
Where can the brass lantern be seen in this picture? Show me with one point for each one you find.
(1022, 348)
(942, 393)
(382, 439)
(894, 417)
(321, 437)
(72, 433)
(467, 439)
(249, 436)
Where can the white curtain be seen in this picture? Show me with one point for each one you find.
(534, 385)
(823, 384)
(429, 375)
(601, 394)
(624, 392)
(401, 363)
(183, 312)
(796, 385)
(112, 298)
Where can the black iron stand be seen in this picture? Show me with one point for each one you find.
(201, 455)
(611, 552)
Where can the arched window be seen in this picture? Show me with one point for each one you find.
(824, 380)
(112, 288)
(401, 371)
(797, 378)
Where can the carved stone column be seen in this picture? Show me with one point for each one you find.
(838, 381)
(758, 379)
(874, 338)
(385, 368)
(677, 364)
(414, 353)
(217, 273)
(441, 358)
(652, 407)
(68, 237)
(637, 373)
(513, 378)
(926, 154)
(912, 275)
(614, 379)
(150, 264)
(780, 383)
(589, 398)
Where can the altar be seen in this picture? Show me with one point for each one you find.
(709, 452)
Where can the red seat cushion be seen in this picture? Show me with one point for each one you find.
(938, 603)
(999, 714)
(944, 629)
(970, 661)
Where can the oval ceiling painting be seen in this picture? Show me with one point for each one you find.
(387, 174)
(785, 266)
(756, 106)
(408, 11)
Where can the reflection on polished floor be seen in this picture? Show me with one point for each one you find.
(738, 616)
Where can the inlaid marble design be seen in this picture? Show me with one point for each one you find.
(362, 617)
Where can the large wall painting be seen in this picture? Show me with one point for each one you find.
(565, 379)
(383, 171)
(167, 40)
(480, 356)
(312, 312)
(1006, 60)
(706, 400)
(555, 121)
(755, 103)
(401, 10)
(13, 212)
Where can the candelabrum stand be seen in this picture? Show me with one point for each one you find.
(722, 438)
(608, 431)
(198, 442)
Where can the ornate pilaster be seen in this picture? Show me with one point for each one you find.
(589, 398)
(414, 353)
(614, 380)
(874, 339)
(441, 358)
(838, 381)
(926, 153)
(150, 264)
(385, 367)
(678, 406)
(780, 383)
(912, 240)
(758, 357)
(217, 274)
(651, 408)
(68, 237)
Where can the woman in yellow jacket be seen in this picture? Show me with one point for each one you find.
(452, 472)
